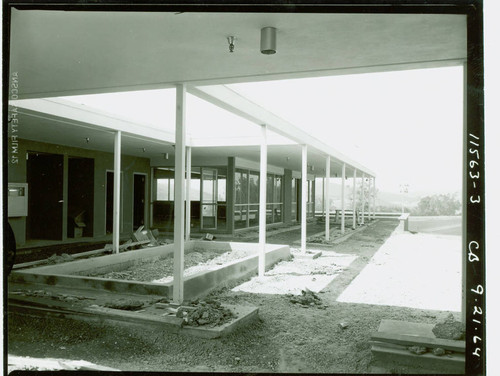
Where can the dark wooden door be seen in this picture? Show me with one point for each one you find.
(139, 200)
(45, 196)
(109, 201)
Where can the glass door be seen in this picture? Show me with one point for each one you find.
(208, 213)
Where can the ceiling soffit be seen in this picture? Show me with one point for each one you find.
(66, 53)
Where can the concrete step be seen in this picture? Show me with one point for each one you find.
(451, 363)
(390, 345)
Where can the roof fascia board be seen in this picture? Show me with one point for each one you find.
(230, 100)
(232, 141)
(210, 161)
(255, 166)
(84, 114)
(331, 72)
(261, 77)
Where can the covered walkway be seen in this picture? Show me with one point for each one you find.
(159, 52)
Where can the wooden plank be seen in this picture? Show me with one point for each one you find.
(400, 339)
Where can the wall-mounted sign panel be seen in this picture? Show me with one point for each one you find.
(18, 199)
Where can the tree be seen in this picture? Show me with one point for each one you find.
(437, 205)
(369, 194)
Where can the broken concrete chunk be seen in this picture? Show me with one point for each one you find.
(343, 325)
(56, 259)
(438, 351)
(418, 350)
(449, 329)
(306, 299)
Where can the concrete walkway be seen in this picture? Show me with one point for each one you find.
(26, 363)
(291, 277)
(411, 270)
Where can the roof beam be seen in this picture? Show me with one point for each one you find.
(232, 101)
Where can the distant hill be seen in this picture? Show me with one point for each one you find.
(387, 199)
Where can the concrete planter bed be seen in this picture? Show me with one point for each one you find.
(76, 273)
(160, 269)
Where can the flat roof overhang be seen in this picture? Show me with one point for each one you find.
(309, 45)
(335, 43)
(70, 124)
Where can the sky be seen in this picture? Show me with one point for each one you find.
(406, 126)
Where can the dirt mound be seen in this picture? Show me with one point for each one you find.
(449, 329)
(210, 313)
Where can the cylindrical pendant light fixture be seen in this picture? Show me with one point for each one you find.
(268, 40)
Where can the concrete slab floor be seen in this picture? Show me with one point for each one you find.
(291, 277)
(411, 270)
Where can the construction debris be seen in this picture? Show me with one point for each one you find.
(141, 238)
(307, 299)
(210, 313)
(418, 350)
(343, 325)
(438, 351)
(208, 237)
(125, 304)
(56, 259)
(449, 329)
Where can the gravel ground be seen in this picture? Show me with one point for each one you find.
(288, 338)
(160, 270)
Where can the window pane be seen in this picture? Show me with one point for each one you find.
(161, 189)
(269, 213)
(254, 188)
(277, 213)
(269, 189)
(240, 216)
(221, 217)
(221, 188)
(171, 190)
(194, 193)
(253, 215)
(277, 190)
(241, 184)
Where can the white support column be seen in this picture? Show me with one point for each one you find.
(323, 199)
(262, 202)
(369, 198)
(363, 198)
(342, 201)
(188, 192)
(354, 200)
(303, 213)
(326, 200)
(116, 192)
(179, 192)
(374, 194)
